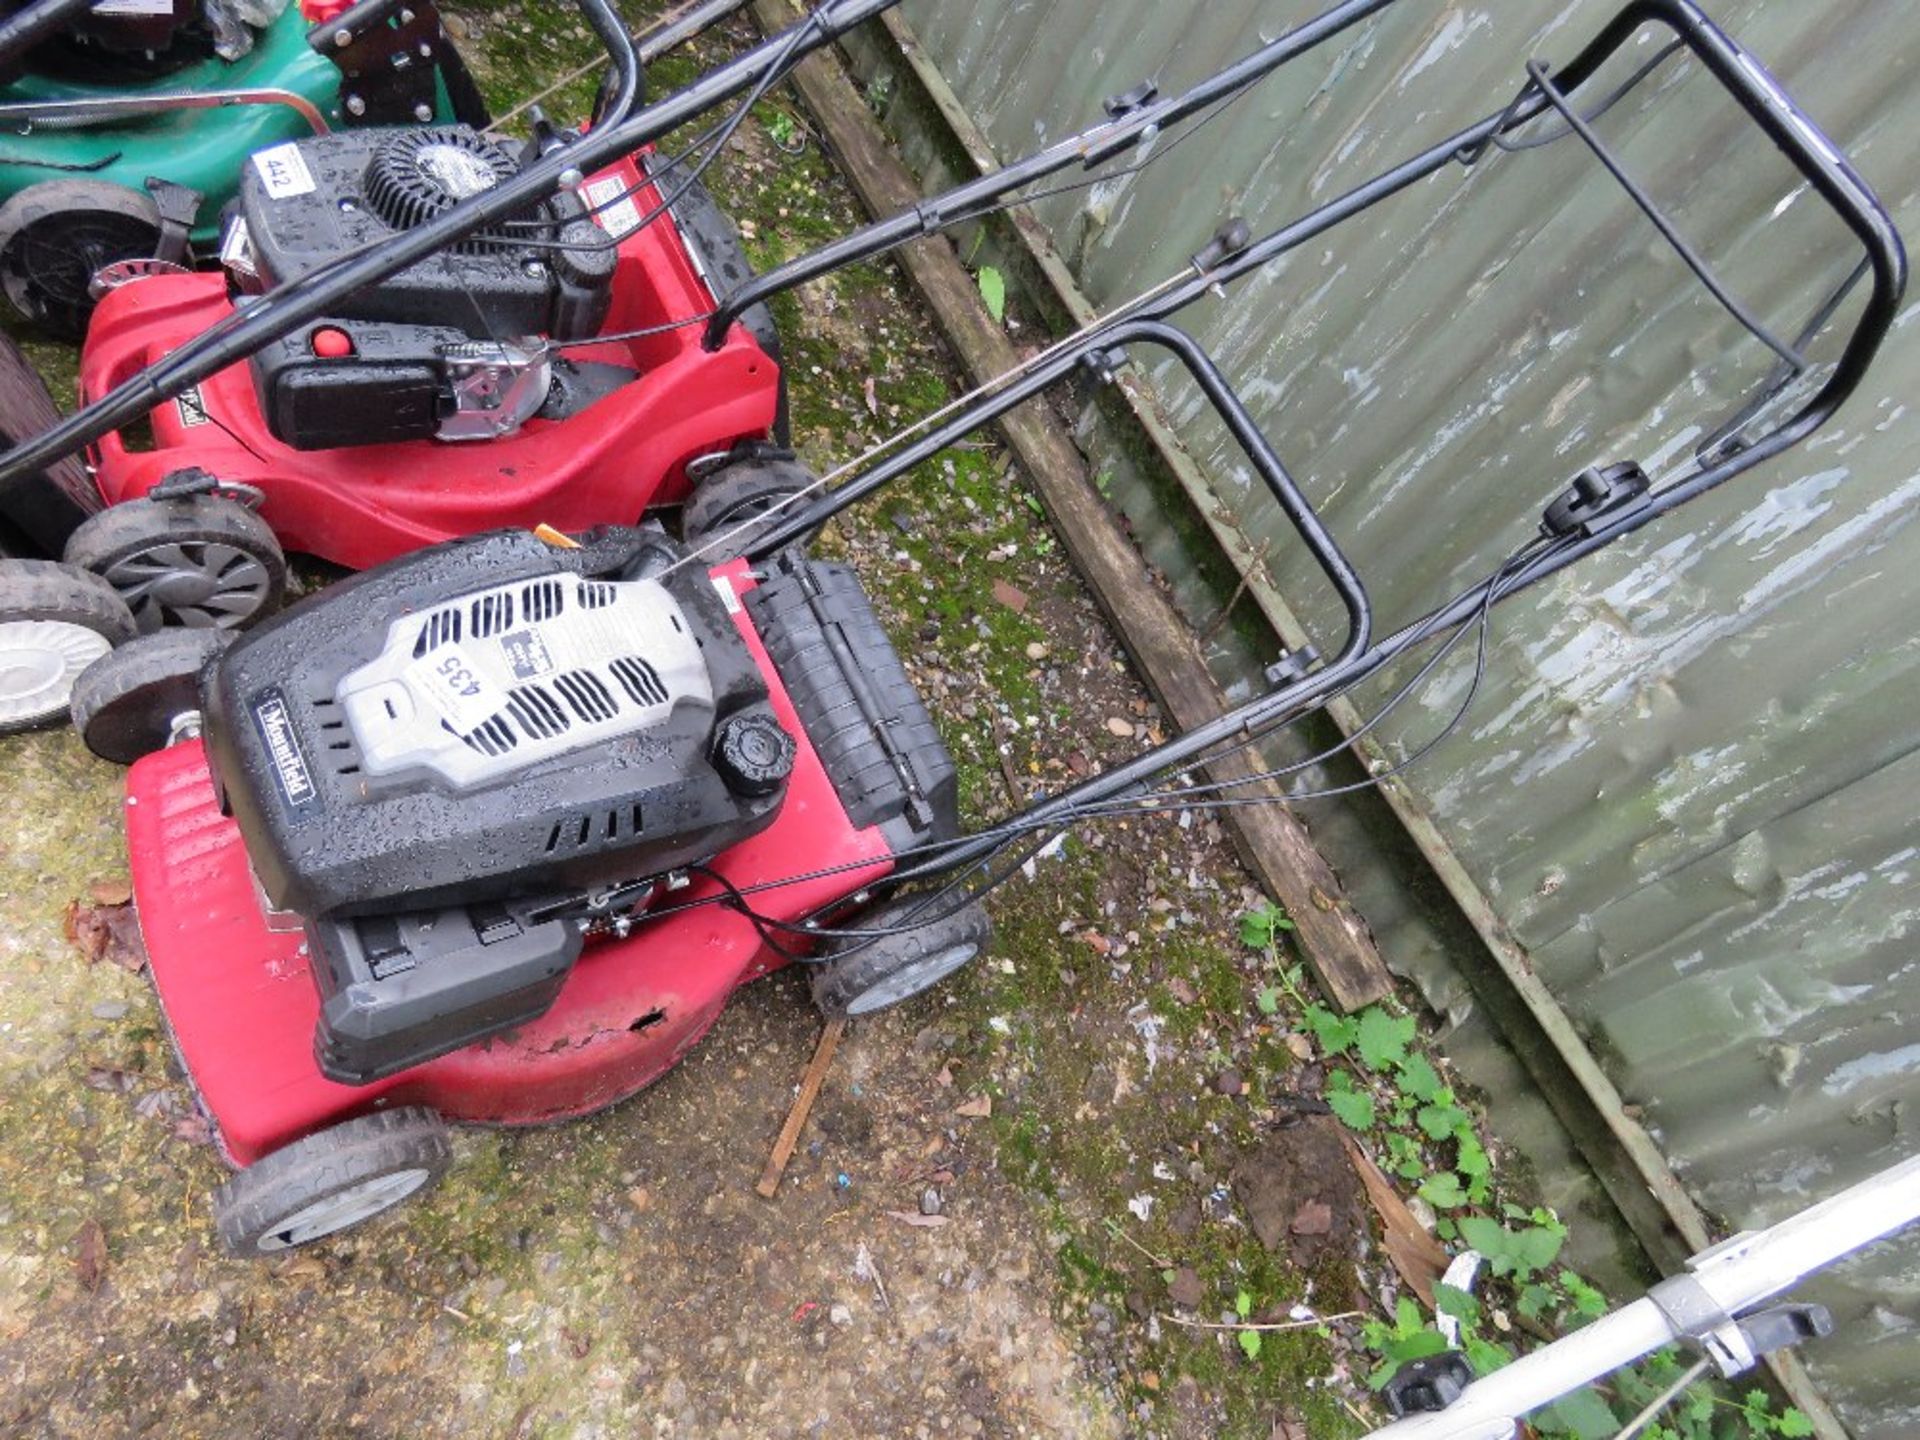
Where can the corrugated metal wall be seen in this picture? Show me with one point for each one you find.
(1689, 783)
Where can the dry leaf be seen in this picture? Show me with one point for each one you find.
(193, 1129)
(109, 932)
(978, 1108)
(1182, 991)
(1288, 1427)
(90, 1255)
(111, 892)
(110, 1080)
(1011, 596)
(914, 1217)
(1415, 1254)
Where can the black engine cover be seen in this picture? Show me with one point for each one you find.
(427, 734)
(307, 202)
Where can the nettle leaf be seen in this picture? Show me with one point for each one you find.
(1384, 1038)
(1354, 1107)
(1472, 1158)
(1243, 1304)
(1537, 1249)
(1444, 1190)
(1486, 1356)
(1250, 1343)
(1489, 1237)
(1534, 1300)
(1439, 1121)
(1586, 1415)
(993, 290)
(1336, 1033)
(1452, 1300)
(1419, 1079)
(1268, 1000)
(1793, 1424)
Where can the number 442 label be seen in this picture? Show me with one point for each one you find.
(451, 683)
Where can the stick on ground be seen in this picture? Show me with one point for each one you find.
(810, 1084)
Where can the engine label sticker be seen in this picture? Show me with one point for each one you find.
(621, 215)
(526, 654)
(193, 408)
(728, 596)
(283, 749)
(456, 687)
(132, 7)
(283, 170)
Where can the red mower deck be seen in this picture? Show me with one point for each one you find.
(361, 505)
(243, 1007)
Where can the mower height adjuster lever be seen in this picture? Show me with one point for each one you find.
(186, 483)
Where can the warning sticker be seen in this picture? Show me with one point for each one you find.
(621, 215)
(283, 170)
(526, 654)
(728, 596)
(132, 7)
(450, 683)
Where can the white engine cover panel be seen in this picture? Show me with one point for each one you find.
(503, 678)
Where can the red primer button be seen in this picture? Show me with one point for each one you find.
(331, 344)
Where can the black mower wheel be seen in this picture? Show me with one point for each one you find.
(55, 621)
(331, 1181)
(56, 235)
(125, 702)
(200, 561)
(727, 503)
(873, 974)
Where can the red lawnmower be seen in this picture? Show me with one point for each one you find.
(489, 833)
(573, 359)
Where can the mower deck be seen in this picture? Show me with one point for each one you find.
(242, 1005)
(360, 505)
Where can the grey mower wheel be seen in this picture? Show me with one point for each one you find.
(55, 621)
(55, 235)
(125, 702)
(331, 1181)
(726, 505)
(200, 561)
(873, 974)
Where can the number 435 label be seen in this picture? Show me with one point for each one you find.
(451, 683)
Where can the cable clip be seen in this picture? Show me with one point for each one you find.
(1118, 107)
(1597, 493)
(1734, 1345)
(1292, 666)
(1106, 363)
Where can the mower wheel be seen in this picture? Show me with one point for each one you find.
(55, 621)
(200, 561)
(124, 704)
(872, 974)
(331, 1180)
(56, 235)
(729, 501)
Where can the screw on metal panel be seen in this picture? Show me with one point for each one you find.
(342, 38)
(423, 112)
(571, 178)
(426, 51)
(355, 105)
(406, 17)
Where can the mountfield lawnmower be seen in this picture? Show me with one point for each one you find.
(123, 126)
(577, 358)
(491, 832)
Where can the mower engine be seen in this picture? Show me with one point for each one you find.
(450, 786)
(451, 348)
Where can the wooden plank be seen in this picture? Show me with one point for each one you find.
(810, 1083)
(1270, 839)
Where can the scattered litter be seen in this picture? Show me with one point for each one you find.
(864, 1268)
(910, 1217)
(1460, 1275)
(1142, 1206)
(1000, 1025)
(90, 1255)
(1011, 596)
(978, 1108)
(1147, 1025)
(930, 1201)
